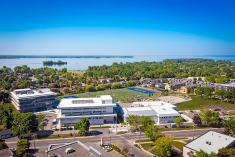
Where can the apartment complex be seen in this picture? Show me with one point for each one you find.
(98, 110)
(28, 100)
(160, 112)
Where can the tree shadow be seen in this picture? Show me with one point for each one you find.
(44, 133)
(95, 132)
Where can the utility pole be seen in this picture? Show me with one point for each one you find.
(193, 130)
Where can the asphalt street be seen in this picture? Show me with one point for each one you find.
(124, 140)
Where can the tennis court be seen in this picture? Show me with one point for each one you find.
(141, 90)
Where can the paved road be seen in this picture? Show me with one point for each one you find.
(124, 141)
(191, 133)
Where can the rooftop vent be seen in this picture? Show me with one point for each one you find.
(82, 101)
(208, 142)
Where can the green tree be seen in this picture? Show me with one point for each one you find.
(3, 145)
(6, 115)
(98, 88)
(210, 118)
(24, 124)
(178, 121)
(130, 83)
(201, 153)
(231, 95)
(135, 121)
(145, 121)
(210, 79)
(163, 146)
(220, 94)
(153, 132)
(197, 120)
(221, 79)
(116, 86)
(105, 86)
(229, 127)
(83, 127)
(226, 152)
(204, 91)
(22, 147)
(90, 88)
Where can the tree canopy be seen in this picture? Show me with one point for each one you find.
(24, 124)
(22, 148)
(83, 127)
(163, 146)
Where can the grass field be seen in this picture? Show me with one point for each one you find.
(123, 95)
(198, 103)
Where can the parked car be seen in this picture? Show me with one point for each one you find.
(69, 150)
(56, 155)
(107, 148)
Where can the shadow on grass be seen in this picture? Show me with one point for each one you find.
(95, 132)
(44, 133)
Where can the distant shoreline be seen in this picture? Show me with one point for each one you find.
(63, 56)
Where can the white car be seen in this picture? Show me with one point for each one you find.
(107, 148)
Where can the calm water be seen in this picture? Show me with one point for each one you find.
(83, 63)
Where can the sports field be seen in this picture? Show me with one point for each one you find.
(123, 95)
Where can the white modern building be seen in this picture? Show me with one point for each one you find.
(153, 103)
(28, 100)
(209, 142)
(98, 110)
(160, 112)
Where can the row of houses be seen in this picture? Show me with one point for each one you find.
(186, 84)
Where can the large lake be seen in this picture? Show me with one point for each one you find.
(84, 63)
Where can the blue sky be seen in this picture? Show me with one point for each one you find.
(142, 27)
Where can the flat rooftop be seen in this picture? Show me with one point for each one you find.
(150, 108)
(143, 111)
(163, 111)
(160, 111)
(86, 102)
(210, 142)
(30, 93)
(153, 103)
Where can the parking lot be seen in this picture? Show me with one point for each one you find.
(77, 151)
(97, 146)
(49, 117)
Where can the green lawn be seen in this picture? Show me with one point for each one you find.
(123, 95)
(185, 128)
(58, 136)
(147, 146)
(151, 147)
(198, 103)
(143, 140)
(178, 145)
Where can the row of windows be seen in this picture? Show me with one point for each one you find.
(86, 108)
(84, 112)
(168, 117)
